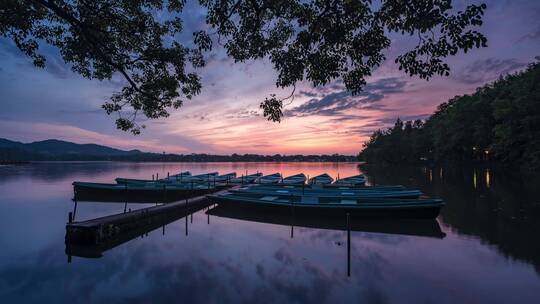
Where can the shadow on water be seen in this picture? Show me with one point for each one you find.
(499, 206)
(112, 236)
(428, 228)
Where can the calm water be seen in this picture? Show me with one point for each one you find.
(488, 250)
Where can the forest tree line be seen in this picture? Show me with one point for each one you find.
(500, 122)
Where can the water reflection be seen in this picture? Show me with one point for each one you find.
(428, 228)
(488, 255)
(502, 211)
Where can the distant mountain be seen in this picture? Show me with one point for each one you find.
(60, 147)
(58, 150)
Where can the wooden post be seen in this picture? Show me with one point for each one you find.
(70, 217)
(157, 176)
(125, 206)
(164, 193)
(348, 245)
(167, 175)
(163, 233)
(75, 210)
(152, 176)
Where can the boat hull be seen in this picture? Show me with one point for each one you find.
(128, 194)
(412, 212)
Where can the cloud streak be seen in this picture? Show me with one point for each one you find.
(338, 102)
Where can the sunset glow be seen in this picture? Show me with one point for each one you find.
(225, 118)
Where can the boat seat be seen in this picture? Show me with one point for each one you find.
(268, 198)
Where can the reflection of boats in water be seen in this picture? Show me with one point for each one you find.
(413, 227)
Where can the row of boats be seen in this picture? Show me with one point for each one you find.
(272, 193)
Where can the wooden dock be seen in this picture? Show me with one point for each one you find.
(109, 229)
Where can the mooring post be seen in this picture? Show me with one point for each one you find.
(348, 245)
(157, 176)
(167, 175)
(75, 210)
(125, 206)
(163, 233)
(207, 213)
(70, 217)
(152, 176)
(186, 225)
(164, 193)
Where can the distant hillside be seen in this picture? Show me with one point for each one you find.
(59, 147)
(58, 150)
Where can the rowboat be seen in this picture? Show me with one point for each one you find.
(202, 177)
(305, 205)
(363, 187)
(148, 192)
(269, 179)
(330, 192)
(322, 179)
(225, 177)
(168, 180)
(352, 180)
(333, 187)
(297, 179)
(245, 179)
(413, 227)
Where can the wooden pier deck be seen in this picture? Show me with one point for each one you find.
(108, 228)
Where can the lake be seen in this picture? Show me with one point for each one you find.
(483, 248)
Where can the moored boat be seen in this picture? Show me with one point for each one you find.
(322, 179)
(168, 180)
(149, 192)
(362, 207)
(410, 194)
(297, 179)
(351, 180)
(269, 179)
(245, 179)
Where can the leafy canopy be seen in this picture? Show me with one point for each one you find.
(311, 40)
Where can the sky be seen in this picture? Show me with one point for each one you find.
(54, 102)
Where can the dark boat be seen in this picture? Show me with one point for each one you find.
(297, 179)
(145, 193)
(269, 179)
(361, 207)
(322, 179)
(351, 180)
(169, 180)
(353, 193)
(245, 179)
